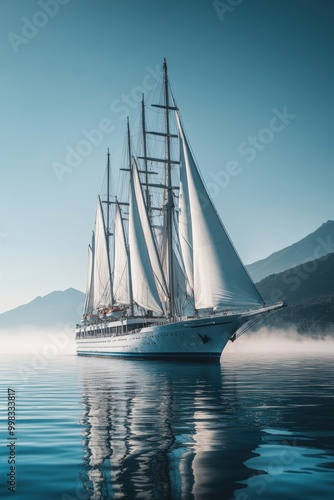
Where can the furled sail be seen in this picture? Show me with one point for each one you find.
(148, 283)
(219, 276)
(121, 261)
(102, 275)
(89, 300)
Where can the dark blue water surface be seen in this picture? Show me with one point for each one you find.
(253, 427)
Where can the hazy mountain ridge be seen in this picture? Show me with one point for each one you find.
(55, 309)
(311, 279)
(314, 316)
(313, 246)
(308, 290)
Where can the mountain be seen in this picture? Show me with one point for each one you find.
(56, 309)
(313, 246)
(308, 290)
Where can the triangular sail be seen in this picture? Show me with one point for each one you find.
(220, 278)
(184, 226)
(121, 263)
(102, 275)
(89, 300)
(148, 284)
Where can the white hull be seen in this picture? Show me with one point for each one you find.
(201, 339)
(193, 339)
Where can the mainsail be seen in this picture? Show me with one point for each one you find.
(148, 283)
(184, 226)
(101, 273)
(121, 261)
(219, 277)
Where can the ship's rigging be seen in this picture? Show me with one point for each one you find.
(163, 250)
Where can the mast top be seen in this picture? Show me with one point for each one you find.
(165, 68)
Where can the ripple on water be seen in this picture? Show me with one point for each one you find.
(98, 428)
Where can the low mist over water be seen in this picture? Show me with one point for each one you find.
(53, 342)
(281, 342)
(30, 340)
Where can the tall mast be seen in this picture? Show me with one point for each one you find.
(108, 200)
(170, 201)
(106, 223)
(143, 122)
(129, 261)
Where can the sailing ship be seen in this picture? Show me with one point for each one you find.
(164, 279)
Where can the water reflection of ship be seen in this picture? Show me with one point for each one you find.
(162, 431)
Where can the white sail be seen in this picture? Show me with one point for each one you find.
(220, 278)
(180, 285)
(145, 267)
(89, 300)
(184, 226)
(121, 264)
(102, 275)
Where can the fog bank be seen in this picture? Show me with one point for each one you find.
(281, 342)
(61, 341)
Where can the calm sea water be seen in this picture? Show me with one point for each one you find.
(253, 427)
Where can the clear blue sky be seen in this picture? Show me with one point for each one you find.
(229, 71)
